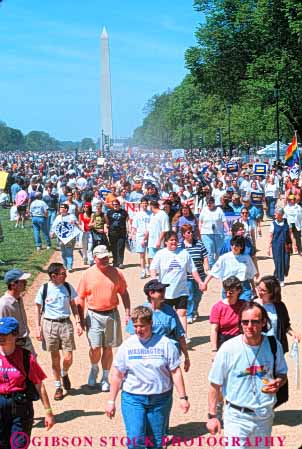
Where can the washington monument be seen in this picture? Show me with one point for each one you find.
(106, 107)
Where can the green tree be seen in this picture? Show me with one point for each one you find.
(244, 48)
(40, 141)
(87, 143)
(10, 139)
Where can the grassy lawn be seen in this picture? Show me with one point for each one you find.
(18, 250)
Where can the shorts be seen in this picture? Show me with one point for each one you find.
(179, 303)
(104, 329)
(58, 335)
(21, 209)
(152, 252)
(139, 248)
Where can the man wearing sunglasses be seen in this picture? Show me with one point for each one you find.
(11, 304)
(244, 368)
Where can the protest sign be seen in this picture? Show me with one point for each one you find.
(232, 167)
(3, 179)
(260, 169)
(66, 231)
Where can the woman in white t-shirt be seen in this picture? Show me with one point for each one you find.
(171, 265)
(213, 226)
(146, 366)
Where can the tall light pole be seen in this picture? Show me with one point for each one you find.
(277, 96)
(229, 107)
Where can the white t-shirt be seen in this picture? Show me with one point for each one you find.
(57, 301)
(172, 268)
(147, 364)
(212, 221)
(240, 373)
(228, 265)
(140, 222)
(217, 194)
(159, 222)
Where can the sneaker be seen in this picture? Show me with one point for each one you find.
(92, 377)
(85, 261)
(147, 272)
(188, 340)
(22, 226)
(47, 247)
(58, 394)
(16, 225)
(121, 266)
(143, 275)
(70, 270)
(190, 320)
(282, 284)
(66, 382)
(38, 248)
(105, 386)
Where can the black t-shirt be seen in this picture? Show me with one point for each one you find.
(117, 221)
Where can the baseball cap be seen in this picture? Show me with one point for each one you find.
(101, 251)
(246, 198)
(154, 285)
(291, 197)
(8, 325)
(15, 275)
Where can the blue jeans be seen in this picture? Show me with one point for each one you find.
(15, 424)
(145, 417)
(194, 298)
(271, 204)
(67, 256)
(52, 213)
(213, 244)
(247, 425)
(87, 245)
(40, 225)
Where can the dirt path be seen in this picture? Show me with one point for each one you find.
(81, 413)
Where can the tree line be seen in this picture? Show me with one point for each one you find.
(12, 139)
(245, 61)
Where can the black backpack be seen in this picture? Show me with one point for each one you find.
(31, 391)
(282, 393)
(44, 294)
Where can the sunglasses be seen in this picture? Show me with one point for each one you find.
(253, 322)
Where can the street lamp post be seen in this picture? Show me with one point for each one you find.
(277, 96)
(229, 107)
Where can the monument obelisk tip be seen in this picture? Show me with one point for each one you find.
(104, 34)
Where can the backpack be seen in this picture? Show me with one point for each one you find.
(31, 391)
(282, 393)
(44, 294)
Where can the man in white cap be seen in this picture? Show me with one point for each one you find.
(100, 287)
(11, 304)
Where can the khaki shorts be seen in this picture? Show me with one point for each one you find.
(57, 335)
(104, 329)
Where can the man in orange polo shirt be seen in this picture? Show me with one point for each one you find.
(100, 287)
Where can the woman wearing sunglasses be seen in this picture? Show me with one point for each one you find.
(270, 298)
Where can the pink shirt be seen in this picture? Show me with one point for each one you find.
(12, 373)
(21, 198)
(226, 316)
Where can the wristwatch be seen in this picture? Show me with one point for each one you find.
(210, 416)
(184, 397)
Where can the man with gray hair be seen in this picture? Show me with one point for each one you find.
(39, 212)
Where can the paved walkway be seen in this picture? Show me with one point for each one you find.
(80, 417)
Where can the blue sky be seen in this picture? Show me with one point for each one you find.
(50, 61)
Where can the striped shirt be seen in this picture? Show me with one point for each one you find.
(197, 252)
